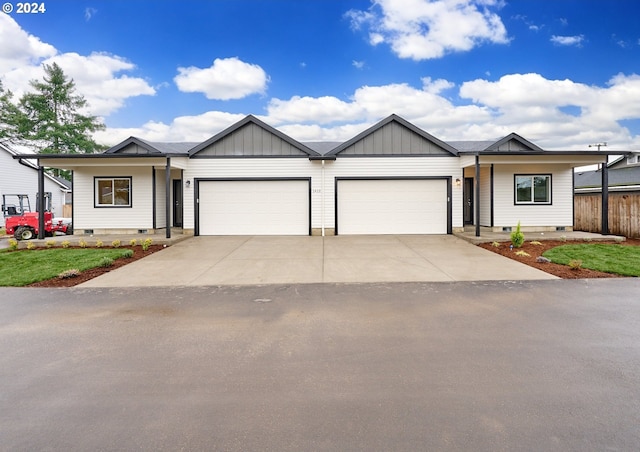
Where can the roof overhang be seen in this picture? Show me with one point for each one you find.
(71, 161)
(571, 158)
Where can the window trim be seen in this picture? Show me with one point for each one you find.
(532, 202)
(96, 194)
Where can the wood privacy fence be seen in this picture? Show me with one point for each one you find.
(624, 213)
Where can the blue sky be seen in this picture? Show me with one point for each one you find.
(561, 73)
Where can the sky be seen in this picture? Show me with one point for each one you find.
(564, 74)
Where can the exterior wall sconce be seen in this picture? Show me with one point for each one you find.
(458, 182)
(188, 183)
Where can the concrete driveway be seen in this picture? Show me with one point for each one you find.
(240, 260)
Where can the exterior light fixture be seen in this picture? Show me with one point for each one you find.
(188, 183)
(458, 182)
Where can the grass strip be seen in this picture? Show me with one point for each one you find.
(617, 259)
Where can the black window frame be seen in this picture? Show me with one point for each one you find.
(96, 195)
(533, 202)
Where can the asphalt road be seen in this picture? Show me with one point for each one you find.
(541, 365)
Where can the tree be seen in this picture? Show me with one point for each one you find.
(51, 116)
(9, 115)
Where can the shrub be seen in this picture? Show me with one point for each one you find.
(31, 246)
(13, 244)
(133, 242)
(71, 273)
(128, 254)
(575, 264)
(106, 262)
(522, 253)
(495, 244)
(517, 237)
(146, 244)
(115, 244)
(50, 243)
(563, 238)
(99, 243)
(82, 243)
(535, 242)
(66, 244)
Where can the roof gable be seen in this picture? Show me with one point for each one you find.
(251, 138)
(513, 143)
(133, 145)
(394, 136)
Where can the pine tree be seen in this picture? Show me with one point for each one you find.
(51, 116)
(9, 115)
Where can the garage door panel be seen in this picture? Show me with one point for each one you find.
(411, 206)
(254, 207)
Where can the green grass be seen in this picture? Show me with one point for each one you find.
(20, 268)
(618, 259)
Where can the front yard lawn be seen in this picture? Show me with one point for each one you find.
(21, 268)
(609, 258)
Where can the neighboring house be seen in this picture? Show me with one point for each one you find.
(623, 203)
(20, 176)
(393, 178)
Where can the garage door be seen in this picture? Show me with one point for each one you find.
(275, 207)
(399, 206)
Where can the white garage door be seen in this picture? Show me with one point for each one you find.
(254, 207)
(398, 206)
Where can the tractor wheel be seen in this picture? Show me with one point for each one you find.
(24, 233)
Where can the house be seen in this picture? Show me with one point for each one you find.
(623, 200)
(393, 178)
(20, 176)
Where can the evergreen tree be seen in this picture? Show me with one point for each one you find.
(9, 115)
(51, 116)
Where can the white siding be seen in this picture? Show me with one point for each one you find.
(485, 196)
(138, 216)
(559, 213)
(16, 178)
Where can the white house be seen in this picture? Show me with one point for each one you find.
(393, 178)
(20, 176)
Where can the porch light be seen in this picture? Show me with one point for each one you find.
(458, 182)
(188, 183)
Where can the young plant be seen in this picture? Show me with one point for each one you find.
(106, 262)
(128, 254)
(575, 264)
(71, 273)
(50, 243)
(13, 244)
(133, 242)
(82, 243)
(99, 243)
(66, 244)
(517, 237)
(31, 246)
(495, 244)
(535, 242)
(146, 244)
(522, 253)
(115, 243)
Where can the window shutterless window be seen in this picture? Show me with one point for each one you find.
(112, 191)
(533, 189)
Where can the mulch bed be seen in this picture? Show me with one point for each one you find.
(561, 271)
(138, 253)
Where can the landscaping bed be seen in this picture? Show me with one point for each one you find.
(561, 271)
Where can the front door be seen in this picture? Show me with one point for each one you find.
(468, 200)
(177, 203)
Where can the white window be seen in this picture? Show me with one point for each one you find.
(533, 189)
(633, 159)
(113, 192)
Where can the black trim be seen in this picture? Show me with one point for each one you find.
(342, 156)
(448, 180)
(477, 195)
(491, 189)
(198, 156)
(515, 190)
(113, 206)
(196, 197)
(167, 198)
(153, 197)
(605, 199)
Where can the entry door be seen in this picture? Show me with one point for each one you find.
(468, 200)
(177, 203)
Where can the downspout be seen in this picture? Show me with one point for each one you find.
(605, 198)
(477, 196)
(40, 201)
(168, 197)
(322, 198)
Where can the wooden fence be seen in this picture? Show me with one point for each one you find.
(624, 213)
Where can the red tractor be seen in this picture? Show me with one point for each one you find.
(23, 223)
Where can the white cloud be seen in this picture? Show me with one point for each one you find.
(358, 64)
(568, 40)
(228, 78)
(427, 29)
(96, 76)
(89, 13)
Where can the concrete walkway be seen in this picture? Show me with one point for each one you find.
(240, 260)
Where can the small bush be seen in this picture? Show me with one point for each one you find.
(495, 244)
(99, 243)
(115, 244)
(106, 262)
(50, 243)
(575, 264)
(146, 244)
(71, 273)
(128, 254)
(82, 243)
(522, 253)
(517, 237)
(13, 244)
(535, 242)
(133, 242)
(66, 244)
(31, 246)
(563, 238)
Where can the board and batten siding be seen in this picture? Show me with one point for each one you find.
(253, 168)
(138, 216)
(507, 213)
(485, 195)
(390, 167)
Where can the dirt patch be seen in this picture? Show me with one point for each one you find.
(138, 253)
(561, 271)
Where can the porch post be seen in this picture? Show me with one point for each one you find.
(40, 202)
(605, 198)
(476, 202)
(168, 197)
